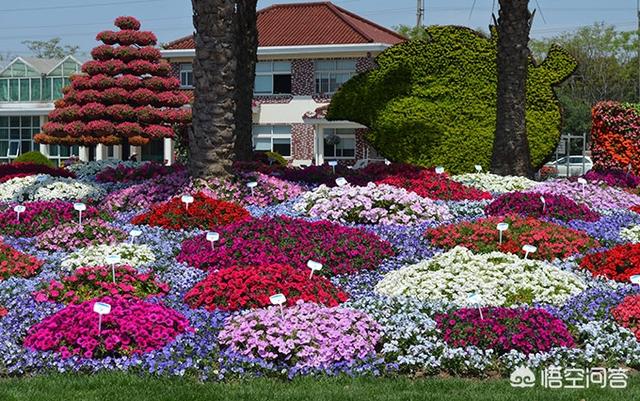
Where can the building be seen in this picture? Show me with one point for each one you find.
(306, 51)
(28, 89)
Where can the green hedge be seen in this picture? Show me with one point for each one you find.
(434, 102)
(34, 157)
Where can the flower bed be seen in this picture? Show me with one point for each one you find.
(598, 198)
(145, 194)
(88, 283)
(144, 171)
(96, 255)
(269, 191)
(203, 213)
(89, 170)
(530, 204)
(294, 242)
(428, 184)
(494, 183)
(504, 329)
(249, 287)
(613, 178)
(305, 335)
(618, 263)
(627, 314)
(373, 204)
(14, 263)
(71, 236)
(13, 170)
(43, 187)
(499, 279)
(132, 327)
(39, 217)
(553, 241)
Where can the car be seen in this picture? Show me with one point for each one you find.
(578, 165)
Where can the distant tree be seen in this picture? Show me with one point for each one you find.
(411, 32)
(50, 48)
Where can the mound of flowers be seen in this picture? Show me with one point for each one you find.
(14, 170)
(553, 241)
(88, 170)
(499, 279)
(627, 314)
(249, 287)
(147, 193)
(613, 178)
(96, 255)
(630, 234)
(203, 213)
(502, 330)
(144, 171)
(288, 241)
(269, 190)
(87, 283)
(530, 204)
(132, 327)
(71, 236)
(494, 183)
(43, 187)
(39, 217)
(429, 184)
(373, 204)
(618, 263)
(14, 263)
(304, 335)
(597, 197)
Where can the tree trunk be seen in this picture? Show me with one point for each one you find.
(223, 73)
(510, 146)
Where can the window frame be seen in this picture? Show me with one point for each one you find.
(273, 73)
(327, 131)
(271, 135)
(187, 73)
(320, 73)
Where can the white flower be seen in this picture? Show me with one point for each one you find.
(130, 254)
(631, 234)
(494, 183)
(43, 187)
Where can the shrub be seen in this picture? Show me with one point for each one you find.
(87, 283)
(552, 240)
(14, 263)
(618, 263)
(433, 102)
(627, 314)
(428, 184)
(34, 157)
(71, 236)
(249, 287)
(502, 330)
(499, 279)
(530, 204)
(305, 335)
(293, 242)
(204, 213)
(132, 327)
(13, 170)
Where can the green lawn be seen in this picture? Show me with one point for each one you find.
(105, 387)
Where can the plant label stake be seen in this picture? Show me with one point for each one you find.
(341, 181)
(278, 299)
(187, 199)
(502, 227)
(629, 167)
(314, 266)
(134, 233)
(101, 308)
(212, 237)
(19, 209)
(475, 299)
(635, 279)
(439, 170)
(528, 249)
(80, 207)
(252, 185)
(113, 260)
(333, 165)
(544, 203)
(387, 162)
(478, 168)
(584, 183)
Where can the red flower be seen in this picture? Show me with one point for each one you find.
(618, 263)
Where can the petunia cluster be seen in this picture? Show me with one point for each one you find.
(72, 236)
(14, 263)
(598, 197)
(536, 204)
(42, 187)
(269, 190)
(494, 183)
(618, 263)
(144, 171)
(429, 184)
(96, 255)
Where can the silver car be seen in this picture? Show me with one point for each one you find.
(578, 165)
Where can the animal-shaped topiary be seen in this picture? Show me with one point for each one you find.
(433, 102)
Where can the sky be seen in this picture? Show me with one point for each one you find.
(78, 21)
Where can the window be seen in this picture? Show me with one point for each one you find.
(16, 135)
(331, 74)
(272, 138)
(186, 75)
(346, 146)
(272, 77)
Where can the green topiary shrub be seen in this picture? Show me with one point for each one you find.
(277, 158)
(34, 157)
(434, 102)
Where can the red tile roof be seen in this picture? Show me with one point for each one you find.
(300, 24)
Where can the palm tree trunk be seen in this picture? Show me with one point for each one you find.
(510, 146)
(223, 72)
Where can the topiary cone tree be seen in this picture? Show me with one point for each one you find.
(124, 96)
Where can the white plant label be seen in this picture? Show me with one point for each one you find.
(134, 234)
(19, 209)
(478, 168)
(635, 279)
(252, 185)
(475, 299)
(502, 227)
(582, 181)
(387, 162)
(332, 163)
(544, 203)
(341, 181)
(212, 237)
(314, 266)
(101, 308)
(80, 207)
(528, 249)
(439, 170)
(278, 299)
(113, 260)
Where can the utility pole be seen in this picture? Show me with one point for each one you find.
(420, 13)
